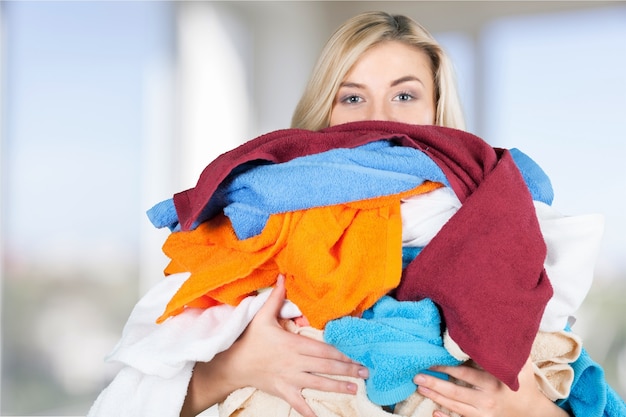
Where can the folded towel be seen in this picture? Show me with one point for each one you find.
(396, 341)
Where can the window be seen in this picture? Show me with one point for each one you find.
(79, 79)
(555, 87)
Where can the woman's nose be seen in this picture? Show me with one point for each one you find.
(380, 112)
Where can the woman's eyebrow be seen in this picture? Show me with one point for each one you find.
(405, 79)
(352, 85)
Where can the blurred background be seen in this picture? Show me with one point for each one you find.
(110, 107)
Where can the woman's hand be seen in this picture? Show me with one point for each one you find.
(273, 360)
(487, 397)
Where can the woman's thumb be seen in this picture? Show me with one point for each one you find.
(276, 299)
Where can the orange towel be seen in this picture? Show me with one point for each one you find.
(337, 260)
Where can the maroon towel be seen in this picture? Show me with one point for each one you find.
(484, 268)
(446, 146)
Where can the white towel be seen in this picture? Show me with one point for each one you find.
(195, 335)
(424, 215)
(133, 394)
(573, 244)
(159, 358)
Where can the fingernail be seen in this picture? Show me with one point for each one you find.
(423, 390)
(420, 379)
(364, 373)
(351, 387)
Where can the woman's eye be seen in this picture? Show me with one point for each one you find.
(352, 99)
(404, 97)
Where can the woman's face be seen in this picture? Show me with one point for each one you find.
(391, 81)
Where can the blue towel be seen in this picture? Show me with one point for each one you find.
(590, 395)
(253, 191)
(536, 179)
(163, 214)
(395, 341)
(408, 254)
(336, 176)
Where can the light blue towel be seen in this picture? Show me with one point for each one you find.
(163, 214)
(254, 191)
(408, 254)
(336, 176)
(395, 341)
(538, 182)
(590, 395)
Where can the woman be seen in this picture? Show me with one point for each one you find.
(375, 67)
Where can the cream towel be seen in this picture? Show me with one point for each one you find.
(552, 354)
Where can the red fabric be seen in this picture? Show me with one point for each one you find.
(484, 269)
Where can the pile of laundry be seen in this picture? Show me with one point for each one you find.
(403, 246)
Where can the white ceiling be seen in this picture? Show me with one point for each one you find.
(436, 16)
(468, 16)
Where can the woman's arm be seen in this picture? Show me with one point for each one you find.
(489, 397)
(273, 360)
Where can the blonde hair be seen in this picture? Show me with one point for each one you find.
(344, 48)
